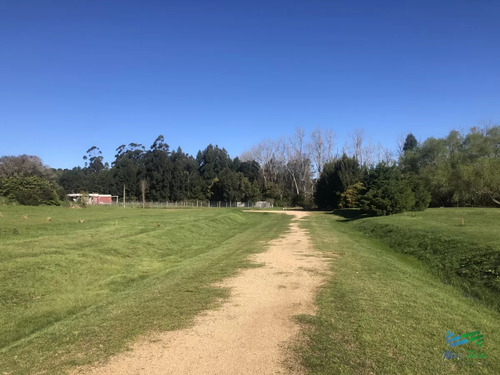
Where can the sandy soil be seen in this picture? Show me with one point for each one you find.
(251, 332)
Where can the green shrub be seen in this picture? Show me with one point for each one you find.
(29, 191)
(349, 198)
(336, 178)
(388, 192)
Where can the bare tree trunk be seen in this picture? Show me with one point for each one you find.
(380, 151)
(321, 148)
(143, 190)
(358, 138)
(388, 157)
(264, 154)
(317, 149)
(297, 190)
(400, 144)
(297, 155)
(368, 153)
(330, 144)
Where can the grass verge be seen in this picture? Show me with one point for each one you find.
(80, 286)
(466, 256)
(383, 312)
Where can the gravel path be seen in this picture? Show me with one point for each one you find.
(251, 332)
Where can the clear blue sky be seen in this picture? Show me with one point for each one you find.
(78, 73)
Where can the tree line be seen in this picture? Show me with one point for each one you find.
(457, 170)
(460, 169)
(163, 175)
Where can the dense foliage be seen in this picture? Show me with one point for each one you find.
(285, 178)
(460, 169)
(29, 191)
(25, 180)
(168, 175)
(336, 178)
(379, 190)
(388, 191)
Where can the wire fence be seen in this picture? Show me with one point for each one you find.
(195, 204)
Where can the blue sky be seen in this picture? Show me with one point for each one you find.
(79, 73)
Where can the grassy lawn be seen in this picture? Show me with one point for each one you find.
(76, 292)
(467, 256)
(384, 312)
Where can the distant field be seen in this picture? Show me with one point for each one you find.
(78, 284)
(384, 312)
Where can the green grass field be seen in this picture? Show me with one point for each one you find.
(73, 293)
(82, 285)
(384, 312)
(466, 256)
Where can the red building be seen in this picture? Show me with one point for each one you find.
(95, 198)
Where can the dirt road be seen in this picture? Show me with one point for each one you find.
(251, 332)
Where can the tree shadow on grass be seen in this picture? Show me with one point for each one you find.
(349, 214)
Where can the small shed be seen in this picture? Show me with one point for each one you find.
(263, 204)
(95, 198)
